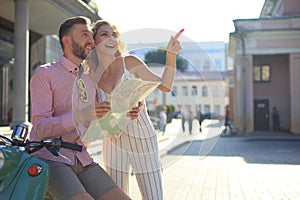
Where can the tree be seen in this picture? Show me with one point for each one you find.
(159, 57)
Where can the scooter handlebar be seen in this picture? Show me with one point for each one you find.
(71, 146)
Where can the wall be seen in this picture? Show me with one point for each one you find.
(277, 91)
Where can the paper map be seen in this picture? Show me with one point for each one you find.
(123, 98)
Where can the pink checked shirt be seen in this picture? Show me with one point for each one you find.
(51, 101)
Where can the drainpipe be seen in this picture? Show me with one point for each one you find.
(244, 77)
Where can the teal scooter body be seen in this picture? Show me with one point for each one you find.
(22, 176)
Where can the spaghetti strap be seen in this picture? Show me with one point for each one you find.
(126, 72)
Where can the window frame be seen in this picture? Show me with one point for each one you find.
(261, 74)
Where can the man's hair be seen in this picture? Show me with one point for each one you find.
(67, 26)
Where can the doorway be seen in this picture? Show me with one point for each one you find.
(261, 115)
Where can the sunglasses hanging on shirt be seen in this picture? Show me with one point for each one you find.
(80, 83)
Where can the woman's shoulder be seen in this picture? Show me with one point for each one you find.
(132, 61)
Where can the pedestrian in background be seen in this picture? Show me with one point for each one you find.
(200, 118)
(227, 120)
(183, 119)
(190, 118)
(163, 119)
(275, 119)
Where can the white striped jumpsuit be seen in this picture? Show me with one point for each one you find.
(137, 146)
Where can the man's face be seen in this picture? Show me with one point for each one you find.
(82, 40)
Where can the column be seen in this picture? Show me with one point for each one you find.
(295, 93)
(21, 67)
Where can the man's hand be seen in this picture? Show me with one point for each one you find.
(102, 108)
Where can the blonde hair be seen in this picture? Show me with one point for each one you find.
(98, 24)
(91, 62)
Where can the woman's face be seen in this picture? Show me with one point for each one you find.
(106, 39)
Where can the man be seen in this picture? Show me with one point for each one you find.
(163, 119)
(226, 122)
(200, 119)
(77, 177)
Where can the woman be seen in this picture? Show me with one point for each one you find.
(137, 145)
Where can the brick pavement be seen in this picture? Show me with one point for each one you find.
(260, 166)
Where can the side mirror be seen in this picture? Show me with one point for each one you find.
(19, 133)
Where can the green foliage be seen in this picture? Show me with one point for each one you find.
(159, 57)
(171, 108)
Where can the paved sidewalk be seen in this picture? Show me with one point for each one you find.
(260, 166)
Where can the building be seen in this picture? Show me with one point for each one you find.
(201, 56)
(196, 91)
(266, 60)
(25, 42)
(202, 86)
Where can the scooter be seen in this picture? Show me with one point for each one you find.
(22, 175)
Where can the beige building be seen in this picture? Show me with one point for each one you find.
(202, 86)
(206, 91)
(266, 56)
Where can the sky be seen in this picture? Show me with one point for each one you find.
(203, 20)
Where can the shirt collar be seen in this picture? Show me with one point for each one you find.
(69, 65)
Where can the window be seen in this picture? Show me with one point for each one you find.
(261, 73)
(215, 91)
(194, 91)
(217, 109)
(174, 91)
(204, 91)
(206, 109)
(184, 91)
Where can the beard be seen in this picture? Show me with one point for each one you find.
(78, 50)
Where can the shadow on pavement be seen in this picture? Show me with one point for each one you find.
(252, 150)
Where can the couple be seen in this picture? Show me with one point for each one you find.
(53, 115)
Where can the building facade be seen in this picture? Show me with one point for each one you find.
(194, 91)
(202, 87)
(201, 56)
(266, 60)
